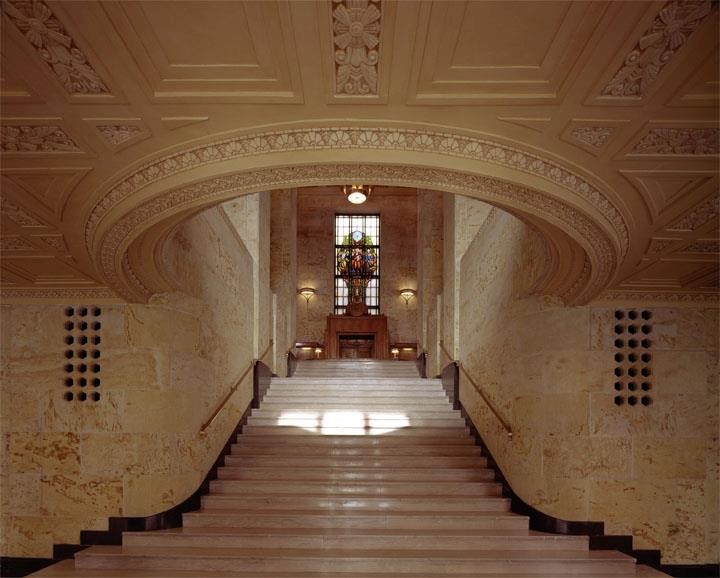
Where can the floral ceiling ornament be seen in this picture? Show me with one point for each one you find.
(43, 30)
(39, 138)
(679, 141)
(670, 31)
(356, 41)
(594, 136)
(116, 134)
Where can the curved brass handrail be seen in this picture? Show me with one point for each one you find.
(481, 393)
(233, 389)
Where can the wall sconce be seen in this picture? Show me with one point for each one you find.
(307, 292)
(318, 351)
(395, 352)
(407, 294)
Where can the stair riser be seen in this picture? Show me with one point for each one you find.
(382, 463)
(250, 440)
(358, 521)
(401, 566)
(349, 504)
(322, 475)
(290, 421)
(319, 451)
(409, 432)
(354, 542)
(400, 489)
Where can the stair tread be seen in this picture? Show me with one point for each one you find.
(151, 551)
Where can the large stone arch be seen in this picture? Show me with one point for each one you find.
(576, 213)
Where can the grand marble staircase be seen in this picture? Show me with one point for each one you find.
(355, 469)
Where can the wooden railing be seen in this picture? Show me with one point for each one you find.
(481, 393)
(233, 389)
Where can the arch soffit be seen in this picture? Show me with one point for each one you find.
(156, 190)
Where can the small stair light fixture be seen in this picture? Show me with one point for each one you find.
(357, 194)
(395, 352)
(407, 294)
(318, 352)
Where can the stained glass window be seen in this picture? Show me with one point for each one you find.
(357, 262)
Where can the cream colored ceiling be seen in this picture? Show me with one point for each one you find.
(623, 94)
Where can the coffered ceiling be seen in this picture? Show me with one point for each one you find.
(621, 95)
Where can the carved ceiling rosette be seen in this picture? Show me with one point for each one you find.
(356, 39)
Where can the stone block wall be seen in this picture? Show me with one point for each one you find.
(650, 471)
(165, 365)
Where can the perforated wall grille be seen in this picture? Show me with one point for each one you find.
(633, 357)
(81, 381)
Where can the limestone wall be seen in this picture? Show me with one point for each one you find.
(283, 272)
(397, 208)
(430, 272)
(69, 465)
(650, 471)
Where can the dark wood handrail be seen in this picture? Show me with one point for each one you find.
(481, 393)
(233, 389)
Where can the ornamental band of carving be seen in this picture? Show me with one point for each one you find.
(594, 136)
(116, 134)
(37, 23)
(356, 46)
(400, 139)
(669, 32)
(596, 242)
(679, 141)
(34, 139)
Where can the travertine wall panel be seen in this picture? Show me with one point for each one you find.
(430, 270)
(283, 272)
(67, 466)
(649, 471)
(317, 207)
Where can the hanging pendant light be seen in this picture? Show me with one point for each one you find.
(357, 194)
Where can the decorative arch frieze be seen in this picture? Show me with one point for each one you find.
(451, 162)
(594, 240)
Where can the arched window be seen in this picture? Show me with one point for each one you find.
(357, 262)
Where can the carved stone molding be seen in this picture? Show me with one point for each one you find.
(712, 299)
(679, 141)
(594, 240)
(36, 21)
(330, 138)
(57, 294)
(672, 27)
(594, 136)
(36, 138)
(116, 134)
(703, 213)
(356, 46)
(54, 241)
(15, 244)
(704, 246)
(18, 215)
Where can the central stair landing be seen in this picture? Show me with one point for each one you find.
(353, 469)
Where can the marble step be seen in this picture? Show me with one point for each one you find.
(348, 402)
(451, 562)
(356, 474)
(353, 489)
(435, 412)
(319, 504)
(66, 569)
(411, 431)
(381, 539)
(335, 451)
(359, 382)
(249, 440)
(297, 419)
(342, 519)
(386, 463)
(362, 394)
